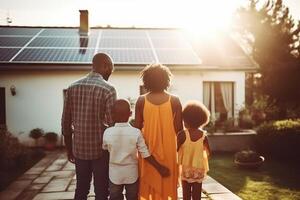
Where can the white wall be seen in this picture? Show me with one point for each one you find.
(39, 99)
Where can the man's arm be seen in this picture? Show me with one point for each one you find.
(143, 150)
(66, 125)
(109, 103)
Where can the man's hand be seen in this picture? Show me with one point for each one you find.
(164, 171)
(71, 157)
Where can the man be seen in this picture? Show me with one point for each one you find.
(87, 111)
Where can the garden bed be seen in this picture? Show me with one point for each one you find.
(274, 180)
(8, 175)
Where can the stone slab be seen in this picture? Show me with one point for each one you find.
(14, 189)
(57, 185)
(54, 196)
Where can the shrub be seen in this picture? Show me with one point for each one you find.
(51, 137)
(280, 139)
(247, 156)
(36, 134)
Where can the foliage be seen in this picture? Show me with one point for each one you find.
(274, 37)
(280, 139)
(51, 137)
(247, 156)
(36, 134)
(12, 153)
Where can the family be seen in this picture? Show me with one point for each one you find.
(145, 159)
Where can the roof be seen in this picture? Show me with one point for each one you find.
(130, 48)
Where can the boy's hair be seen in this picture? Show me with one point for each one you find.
(195, 114)
(156, 77)
(121, 106)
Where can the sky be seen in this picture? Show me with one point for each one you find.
(127, 13)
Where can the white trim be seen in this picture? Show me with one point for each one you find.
(152, 47)
(26, 45)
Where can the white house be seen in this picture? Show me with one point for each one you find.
(38, 63)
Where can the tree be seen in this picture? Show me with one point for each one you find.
(275, 41)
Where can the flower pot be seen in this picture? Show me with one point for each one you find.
(250, 165)
(50, 146)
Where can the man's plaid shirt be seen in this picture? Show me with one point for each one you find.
(87, 109)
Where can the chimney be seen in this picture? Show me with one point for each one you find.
(84, 22)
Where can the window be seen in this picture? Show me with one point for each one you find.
(219, 99)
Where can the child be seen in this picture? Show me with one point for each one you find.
(192, 146)
(123, 142)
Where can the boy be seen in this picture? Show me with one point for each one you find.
(123, 141)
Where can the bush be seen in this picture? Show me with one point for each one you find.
(280, 139)
(51, 137)
(36, 134)
(247, 156)
(12, 153)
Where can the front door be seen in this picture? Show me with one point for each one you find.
(2, 108)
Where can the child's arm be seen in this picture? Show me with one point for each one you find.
(206, 146)
(143, 150)
(180, 139)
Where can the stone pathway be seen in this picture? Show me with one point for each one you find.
(53, 178)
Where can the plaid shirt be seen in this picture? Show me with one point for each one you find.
(87, 111)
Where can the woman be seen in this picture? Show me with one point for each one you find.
(158, 115)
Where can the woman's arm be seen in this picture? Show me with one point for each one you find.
(177, 114)
(139, 109)
(180, 139)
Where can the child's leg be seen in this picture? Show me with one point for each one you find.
(186, 190)
(196, 191)
(115, 191)
(132, 190)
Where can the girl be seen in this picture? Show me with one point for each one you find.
(193, 150)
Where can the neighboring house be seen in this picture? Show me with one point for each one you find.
(38, 64)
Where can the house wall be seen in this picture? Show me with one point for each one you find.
(39, 99)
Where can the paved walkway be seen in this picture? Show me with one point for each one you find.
(54, 178)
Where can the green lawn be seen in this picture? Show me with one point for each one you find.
(273, 181)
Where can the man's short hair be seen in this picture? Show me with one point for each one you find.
(101, 59)
(156, 77)
(195, 114)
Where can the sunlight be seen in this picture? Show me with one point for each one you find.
(204, 17)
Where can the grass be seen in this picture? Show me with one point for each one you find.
(273, 181)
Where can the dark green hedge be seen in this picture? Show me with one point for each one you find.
(279, 139)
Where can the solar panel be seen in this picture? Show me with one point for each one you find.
(80, 42)
(164, 33)
(170, 43)
(19, 31)
(177, 56)
(71, 32)
(7, 53)
(127, 56)
(13, 41)
(55, 55)
(121, 33)
(124, 43)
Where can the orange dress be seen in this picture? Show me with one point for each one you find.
(160, 137)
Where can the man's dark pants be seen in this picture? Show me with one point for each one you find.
(85, 169)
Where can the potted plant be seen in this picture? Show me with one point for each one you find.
(51, 140)
(248, 159)
(36, 134)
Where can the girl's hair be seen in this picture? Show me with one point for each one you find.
(156, 77)
(195, 114)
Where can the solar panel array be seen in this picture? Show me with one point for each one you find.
(65, 45)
